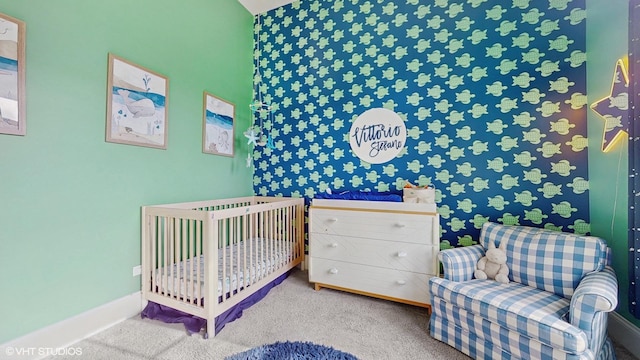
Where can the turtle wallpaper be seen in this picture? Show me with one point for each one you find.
(492, 93)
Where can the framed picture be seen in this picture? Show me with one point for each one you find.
(12, 76)
(218, 124)
(136, 105)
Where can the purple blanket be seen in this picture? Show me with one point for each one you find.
(194, 324)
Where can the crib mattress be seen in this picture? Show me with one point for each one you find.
(233, 270)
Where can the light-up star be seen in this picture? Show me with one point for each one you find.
(614, 109)
(252, 136)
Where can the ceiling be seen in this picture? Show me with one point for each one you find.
(260, 6)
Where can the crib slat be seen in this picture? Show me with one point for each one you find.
(286, 224)
(293, 238)
(188, 241)
(234, 255)
(161, 252)
(255, 242)
(285, 237)
(153, 234)
(165, 261)
(231, 251)
(279, 221)
(172, 258)
(279, 231)
(252, 263)
(243, 258)
(223, 250)
(250, 237)
(274, 240)
(238, 276)
(265, 242)
(199, 253)
(184, 294)
(171, 262)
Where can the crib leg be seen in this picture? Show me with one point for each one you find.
(211, 328)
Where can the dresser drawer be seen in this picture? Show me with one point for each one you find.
(387, 254)
(397, 226)
(375, 280)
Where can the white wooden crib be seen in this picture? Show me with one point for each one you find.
(203, 258)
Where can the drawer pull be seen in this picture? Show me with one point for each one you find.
(333, 271)
(332, 220)
(334, 245)
(402, 254)
(401, 282)
(400, 225)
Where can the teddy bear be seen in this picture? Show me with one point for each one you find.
(494, 264)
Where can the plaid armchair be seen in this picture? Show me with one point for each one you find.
(555, 306)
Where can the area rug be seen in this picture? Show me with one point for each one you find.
(295, 350)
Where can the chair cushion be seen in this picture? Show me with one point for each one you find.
(539, 315)
(548, 260)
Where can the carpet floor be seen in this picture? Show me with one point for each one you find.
(370, 329)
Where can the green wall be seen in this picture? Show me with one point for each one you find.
(69, 201)
(606, 43)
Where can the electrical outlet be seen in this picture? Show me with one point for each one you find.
(137, 270)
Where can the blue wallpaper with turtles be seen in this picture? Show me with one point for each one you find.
(493, 95)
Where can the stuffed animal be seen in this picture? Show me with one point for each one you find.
(494, 264)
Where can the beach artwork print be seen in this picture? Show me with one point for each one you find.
(12, 76)
(218, 126)
(136, 105)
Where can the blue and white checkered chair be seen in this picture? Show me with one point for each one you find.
(555, 307)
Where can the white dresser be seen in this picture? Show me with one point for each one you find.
(381, 249)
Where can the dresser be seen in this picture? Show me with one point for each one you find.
(386, 250)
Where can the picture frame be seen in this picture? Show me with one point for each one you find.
(12, 83)
(137, 105)
(218, 125)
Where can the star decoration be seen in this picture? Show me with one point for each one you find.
(614, 108)
(252, 136)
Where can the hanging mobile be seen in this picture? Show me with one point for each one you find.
(256, 134)
(270, 143)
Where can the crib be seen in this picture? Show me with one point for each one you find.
(204, 258)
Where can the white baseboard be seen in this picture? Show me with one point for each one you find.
(624, 332)
(41, 343)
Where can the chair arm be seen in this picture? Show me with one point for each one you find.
(596, 295)
(460, 263)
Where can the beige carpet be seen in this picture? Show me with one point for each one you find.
(370, 329)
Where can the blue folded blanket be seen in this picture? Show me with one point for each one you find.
(362, 195)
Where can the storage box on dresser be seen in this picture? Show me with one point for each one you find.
(381, 249)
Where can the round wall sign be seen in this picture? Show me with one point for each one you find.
(377, 135)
